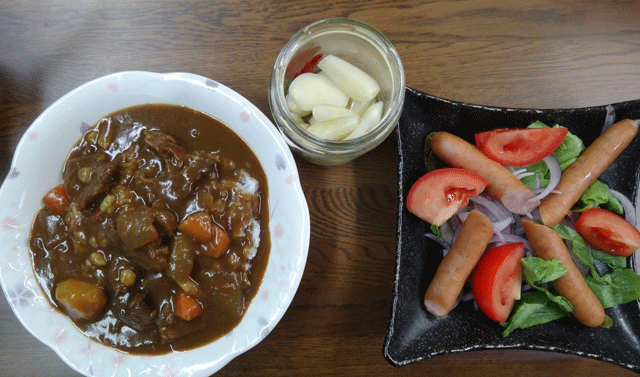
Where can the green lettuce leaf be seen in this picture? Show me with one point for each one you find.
(578, 246)
(618, 287)
(612, 260)
(541, 306)
(436, 230)
(533, 308)
(539, 271)
(598, 195)
(540, 176)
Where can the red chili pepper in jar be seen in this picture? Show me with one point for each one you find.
(310, 66)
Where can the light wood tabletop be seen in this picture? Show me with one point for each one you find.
(533, 54)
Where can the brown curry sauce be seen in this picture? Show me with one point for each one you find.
(160, 163)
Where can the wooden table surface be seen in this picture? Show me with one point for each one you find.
(537, 53)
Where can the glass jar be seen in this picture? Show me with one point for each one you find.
(360, 45)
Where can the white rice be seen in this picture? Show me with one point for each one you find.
(254, 226)
(248, 184)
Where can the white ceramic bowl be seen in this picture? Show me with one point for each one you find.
(37, 166)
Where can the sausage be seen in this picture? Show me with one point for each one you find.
(503, 184)
(548, 245)
(457, 265)
(588, 166)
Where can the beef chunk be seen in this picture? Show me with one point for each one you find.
(153, 256)
(164, 218)
(102, 178)
(164, 145)
(140, 313)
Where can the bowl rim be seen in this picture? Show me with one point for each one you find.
(270, 302)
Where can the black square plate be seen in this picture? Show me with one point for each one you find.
(414, 334)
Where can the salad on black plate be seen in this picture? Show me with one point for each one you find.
(529, 233)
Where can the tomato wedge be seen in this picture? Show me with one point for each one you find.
(608, 232)
(520, 146)
(437, 195)
(497, 279)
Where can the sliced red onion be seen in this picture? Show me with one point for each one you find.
(627, 206)
(501, 225)
(540, 190)
(555, 172)
(610, 117)
(456, 232)
(445, 251)
(528, 250)
(497, 239)
(495, 208)
(465, 296)
(438, 240)
(522, 173)
(502, 239)
(512, 238)
(518, 229)
(462, 215)
(447, 231)
(571, 219)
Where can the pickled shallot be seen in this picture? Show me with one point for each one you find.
(336, 103)
(325, 113)
(369, 119)
(309, 90)
(334, 129)
(353, 81)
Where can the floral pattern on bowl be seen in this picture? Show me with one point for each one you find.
(37, 166)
